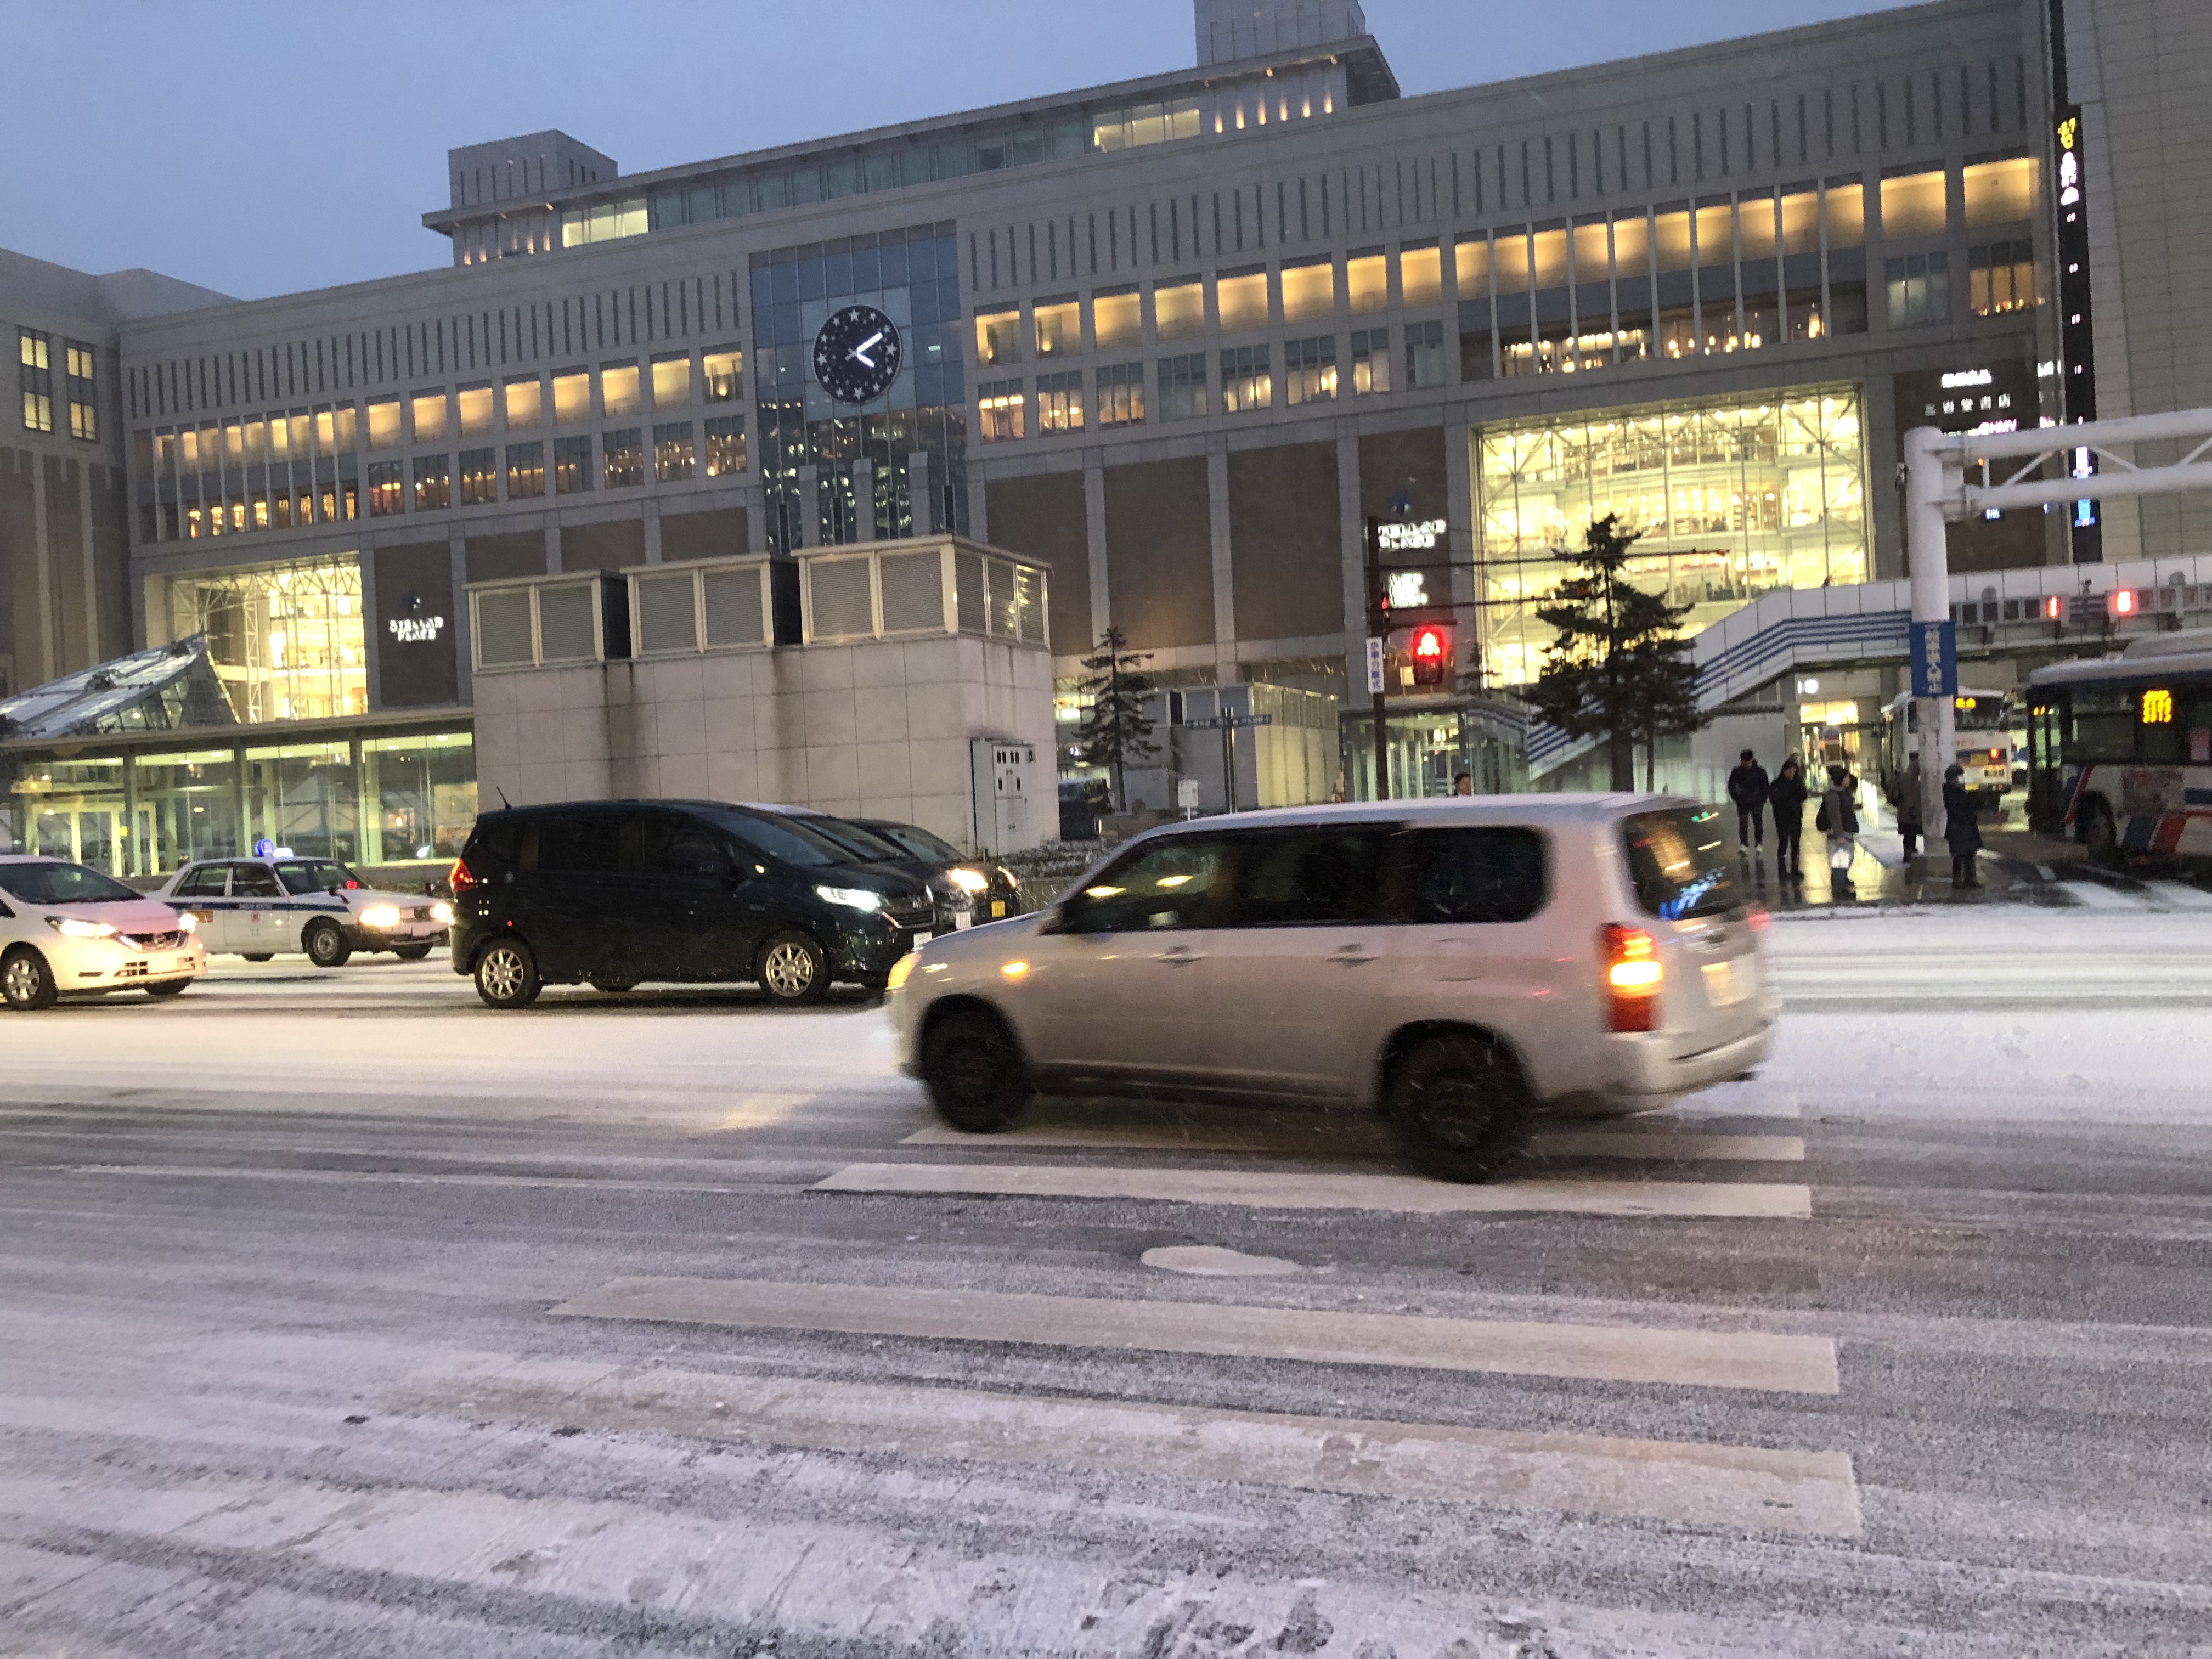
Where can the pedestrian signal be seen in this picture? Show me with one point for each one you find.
(1431, 652)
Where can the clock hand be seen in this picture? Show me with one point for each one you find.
(860, 351)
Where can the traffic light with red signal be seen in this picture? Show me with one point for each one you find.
(1431, 655)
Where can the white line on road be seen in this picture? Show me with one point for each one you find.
(1273, 1190)
(1720, 1485)
(1347, 1141)
(1618, 1353)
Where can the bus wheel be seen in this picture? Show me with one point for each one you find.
(2100, 836)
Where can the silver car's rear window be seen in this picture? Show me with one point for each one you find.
(1679, 863)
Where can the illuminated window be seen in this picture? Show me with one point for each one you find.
(479, 476)
(83, 393)
(1000, 410)
(1756, 228)
(287, 641)
(1670, 240)
(430, 417)
(674, 459)
(384, 424)
(1121, 395)
(526, 402)
(1370, 361)
(723, 369)
(1367, 280)
(1182, 387)
(387, 489)
(1059, 401)
(1309, 371)
(572, 397)
(1243, 299)
(1421, 275)
(671, 379)
(476, 404)
(725, 446)
(433, 484)
(604, 223)
(1117, 319)
(2001, 277)
(572, 467)
(618, 388)
(2001, 192)
(1309, 292)
(1912, 205)
(1471, 263)
(1144, 124)
(1058, 327)
(1547, 252)
(34, 352)
(525, 470)
(1800, 220)
(1919, 288)
(1179, 311)
(999, 337)
(1247, 382)
(1842, 210)
(625, 457)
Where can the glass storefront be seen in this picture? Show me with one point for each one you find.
(287, 640)
(421, 792)
(1732, 498)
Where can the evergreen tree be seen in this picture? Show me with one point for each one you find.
(1619, 667)
(1116, 731)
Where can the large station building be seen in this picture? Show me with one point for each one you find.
(1164, 346)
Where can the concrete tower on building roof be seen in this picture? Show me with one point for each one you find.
(1231, 30)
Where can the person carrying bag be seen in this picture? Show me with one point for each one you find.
(1839, 820)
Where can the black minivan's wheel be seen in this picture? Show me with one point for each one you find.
(2101, 835)
(325, 944)
(1461, 1107)
(26, 984)
(506, 975)
(973, 1068)
(792, 970)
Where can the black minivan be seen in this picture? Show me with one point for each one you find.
(616, 893)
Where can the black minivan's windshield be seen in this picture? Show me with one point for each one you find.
(1678, 862)
(315, 876)
(61, 884)
(860, 842)
(783, 838)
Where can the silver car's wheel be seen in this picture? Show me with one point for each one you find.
(326, 945)
(505, 976)
(793, 969)
(26, 982)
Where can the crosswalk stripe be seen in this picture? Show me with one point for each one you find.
(1619, 1353)
(1804, 1493)
(1280, 1190)
(1346, 1140)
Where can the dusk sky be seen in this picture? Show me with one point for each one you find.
(259, 148)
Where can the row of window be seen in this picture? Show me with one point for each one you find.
(34, 353)
(1310, 375)
(485, 477)
(1743, 232)
(578, 395)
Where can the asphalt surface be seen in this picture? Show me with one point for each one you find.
(342, 1316)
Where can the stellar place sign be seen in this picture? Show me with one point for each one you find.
(417, 630)
(1420, 537)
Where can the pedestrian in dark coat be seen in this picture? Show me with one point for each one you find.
(1909, 817)
(1786, 795)
(1960, 830)
(1747, 786)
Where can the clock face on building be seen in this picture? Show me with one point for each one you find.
(857, 355)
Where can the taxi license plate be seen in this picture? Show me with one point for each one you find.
(921, 940)
(1728, 983)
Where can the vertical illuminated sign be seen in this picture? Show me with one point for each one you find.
(2077, 366)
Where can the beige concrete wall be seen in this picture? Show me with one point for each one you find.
(877, 730)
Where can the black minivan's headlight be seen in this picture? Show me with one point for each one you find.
(857, 898)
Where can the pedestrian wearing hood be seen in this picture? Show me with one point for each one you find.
(1838, 821)
(1960, 830)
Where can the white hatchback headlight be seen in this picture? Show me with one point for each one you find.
(78, 927)
(859, 898)
(968, 881)
(189, 922)
(380, 915)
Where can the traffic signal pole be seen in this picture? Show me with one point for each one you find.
(1378, 627)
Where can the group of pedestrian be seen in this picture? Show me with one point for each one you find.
(1753, 792)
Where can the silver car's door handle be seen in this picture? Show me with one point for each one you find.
(1351, 956)
(1181, 956)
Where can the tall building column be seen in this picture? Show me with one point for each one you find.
(461, 644)
(1352, 535)
(1094, 526)
(1225, 583)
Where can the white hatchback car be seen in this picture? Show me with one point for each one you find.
(260, 907)
(1459, 965)
(66, 930)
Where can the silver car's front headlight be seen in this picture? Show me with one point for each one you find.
(380, 915)
(78, 927)
(442, 913)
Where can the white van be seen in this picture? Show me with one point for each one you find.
(1459, 964)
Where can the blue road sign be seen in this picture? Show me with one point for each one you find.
(1934, 660)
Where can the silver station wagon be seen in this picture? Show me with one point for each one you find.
(1459, 965)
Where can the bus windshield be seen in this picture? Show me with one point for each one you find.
(1977, 711)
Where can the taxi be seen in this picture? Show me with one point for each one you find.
(260, 907)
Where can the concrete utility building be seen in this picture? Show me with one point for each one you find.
(1163, 346)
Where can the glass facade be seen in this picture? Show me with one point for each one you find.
(818, 456)
(287, 640)
(1732, 497)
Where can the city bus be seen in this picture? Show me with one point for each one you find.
(2120, 750)
(1982, 728)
